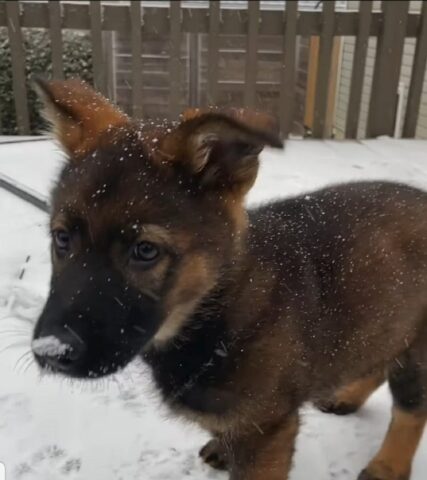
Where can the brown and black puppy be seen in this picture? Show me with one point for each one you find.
(242, 316)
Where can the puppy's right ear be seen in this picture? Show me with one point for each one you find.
(78, 114)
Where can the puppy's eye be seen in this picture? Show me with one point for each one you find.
(62, 240)
(145, 252)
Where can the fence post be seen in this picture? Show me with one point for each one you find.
(175, 59)
(324, 69)
(137, 81)
(213, 51)
(382, 108)
(417, 78)
(194, 69)
(109, 65)
(55, 32)
(18, 67)
(287, 91)
(358, 70)
(251, 54)
(95, 12)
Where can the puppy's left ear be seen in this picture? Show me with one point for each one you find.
(220, 151)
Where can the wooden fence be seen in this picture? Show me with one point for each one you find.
(391, 26)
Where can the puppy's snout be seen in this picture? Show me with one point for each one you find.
(62, 352)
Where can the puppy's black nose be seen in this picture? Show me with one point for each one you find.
(61, 352)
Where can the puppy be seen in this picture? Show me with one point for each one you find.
(242, 315)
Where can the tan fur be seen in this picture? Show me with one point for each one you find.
(351, 397)
(394, 459)
(78, 114)
(194, 280)
(264, 456)
(359, 391)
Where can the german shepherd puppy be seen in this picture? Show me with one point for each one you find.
(242, 316)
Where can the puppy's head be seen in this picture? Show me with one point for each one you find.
(145, 222)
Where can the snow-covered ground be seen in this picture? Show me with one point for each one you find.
(116, 429)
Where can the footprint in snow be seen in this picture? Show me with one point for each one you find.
(47, 463)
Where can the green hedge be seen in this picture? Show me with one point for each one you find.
(77, 60)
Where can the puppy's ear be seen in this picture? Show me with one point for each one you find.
(78, 114)
(220, 151)
(249, 117)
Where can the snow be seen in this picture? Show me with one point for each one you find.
(49, 346)
(116, 428)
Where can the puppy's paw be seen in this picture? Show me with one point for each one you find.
(214, 454)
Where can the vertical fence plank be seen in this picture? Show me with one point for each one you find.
(358, 70)
(251, 54)
(137, 82)
(55, 32)
(382, 107)
(109, 65)
(18, 67)
(95, 12)
(213, 51)
(175, 59)
(287, 91)
(417, 78)
(194, 69)
(324, 69)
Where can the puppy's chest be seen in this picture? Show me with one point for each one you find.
(195, 375)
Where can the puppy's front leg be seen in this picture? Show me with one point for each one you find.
(266, 452)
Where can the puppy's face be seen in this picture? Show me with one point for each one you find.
(144, 224)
